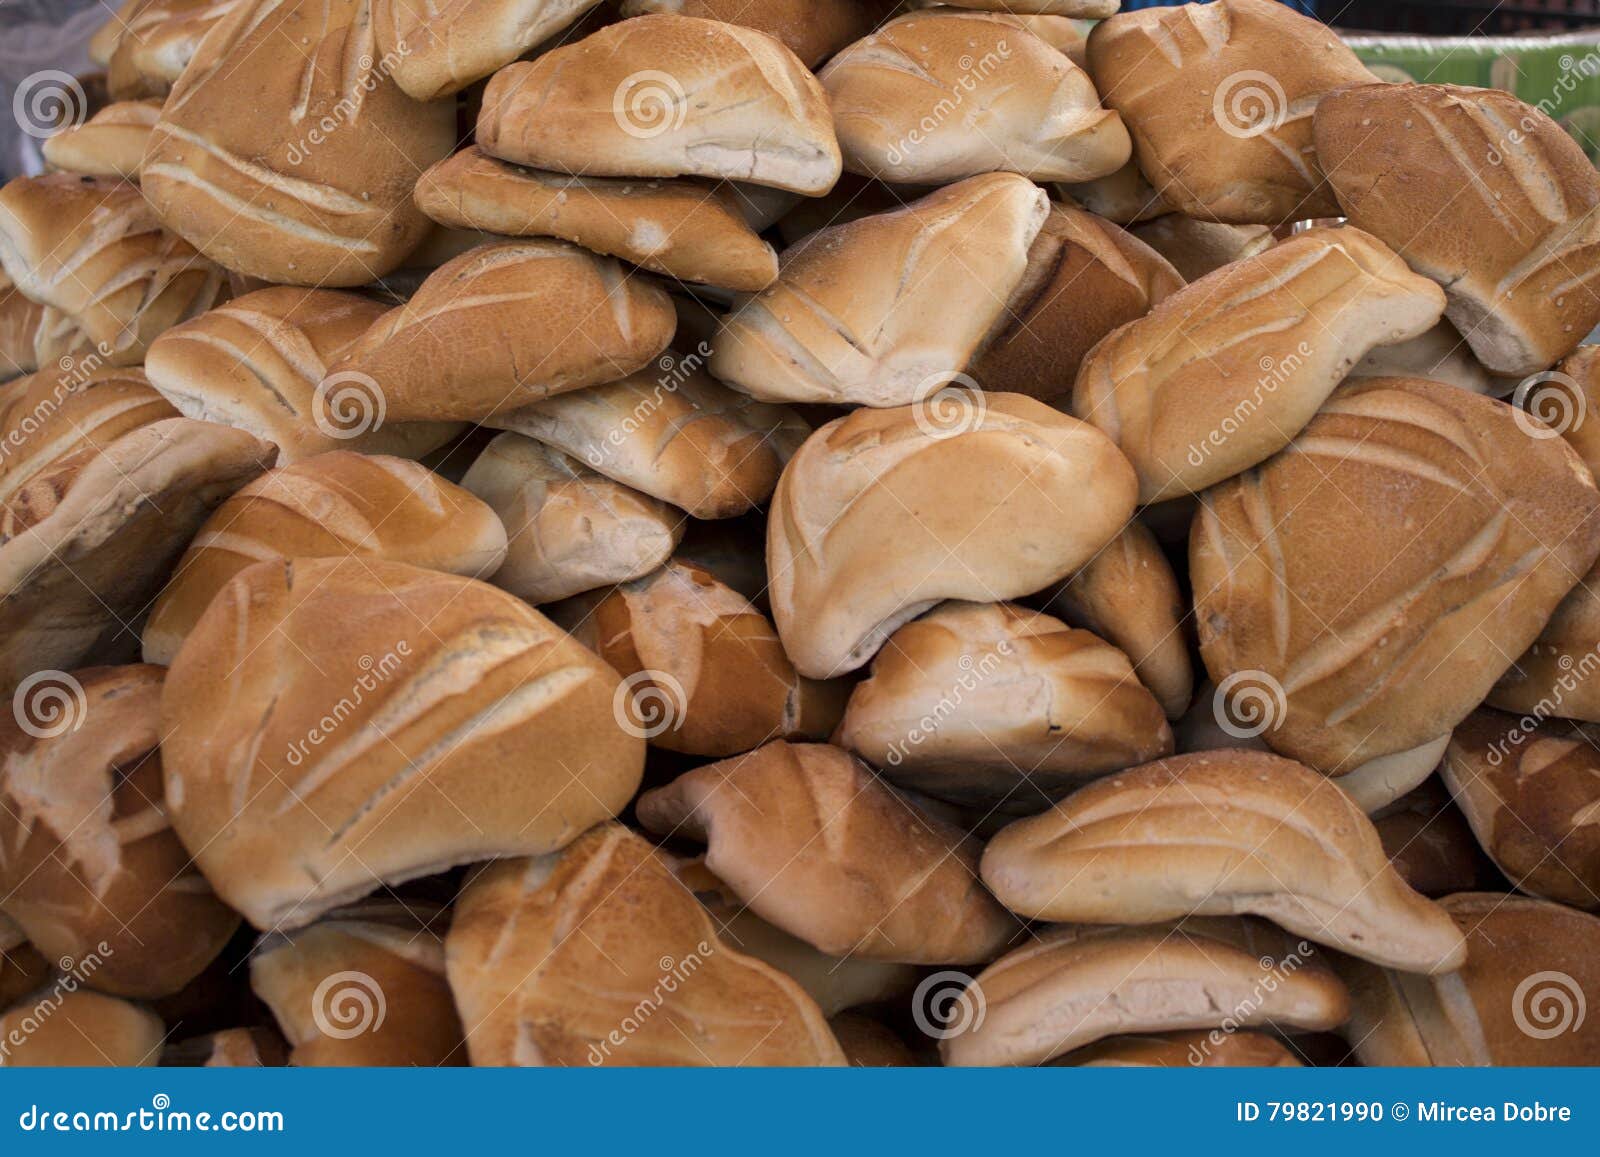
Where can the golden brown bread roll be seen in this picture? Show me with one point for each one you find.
(1219, 98)
(932, 97)
(1124, 197)
(398, 722)
(816, 844)
(331, 506)
(884, 310)
(439, 47)
(504, 325)
(1082, 9)
(812, 29)
(1217, 1049)
(1223, 373)
(1430, 843)
(1350, 669)
(617, 104)
(1196, 248)
(1518, 258)
(35, 336)
(994, 705)
(71, 1028)
(298, 168)
(109, 144)
(156, 41)
(599, 956)
(884, 513)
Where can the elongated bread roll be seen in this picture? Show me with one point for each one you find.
(812, 29)
(439, 47)
(109, 144)
(82, 1029)
(157, 40)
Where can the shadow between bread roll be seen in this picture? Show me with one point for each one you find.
(78, 1029)
(1441, 354)
(1431, 844)
(869, 1043)
(436, 52)
(334, 505)
(1217, 834)
(884, 513)
(811, 29)
(816, 844)
(1123, 197)
(551, 960)
(34, 335)
(1081, 9)
(1351, 672)
(994, 705)
(22, 967)
(336, 724)
(1050, 998)
(1196, 248)
(257, 1047)
(109, 144)
(615, 104)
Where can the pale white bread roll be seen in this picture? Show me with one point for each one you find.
(285, 152)
(673, 432)
(93, 249)
(809, 837)
(812, 29)
(109, 144)
(1441, 354)
(156, 41)
(468, 727)
(82, 1030)
(1224, 372)
(439, 47)
(570, 530)
(1049, 997)
(1196, 248)
(1221, 833)
(666, 96)
(335, 505)
(90, 540)
(997, 706)
(547, 956)
(884, 513)
(1519, 257)
(936, 96)
(1124, 196)
(1219, 99)
(504, 325)
(885, 310)
(1465, 533)
(259, 363)
(681, 229)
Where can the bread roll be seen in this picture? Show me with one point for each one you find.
(258, 362)
(1217, 1049)
(109, 144)
(816, 844)
(1430, 843)
(884, 513)
(705, 672)
(1216, 834)
(1196, 248)
(331, 506)
(673, 432)
(994, 705)
(104, 41)
(1566, 399)
(600, 956)
(618, 104)
(885, 310)
(684, 230)
(1377, 783)
(1082, 9)
(811, 29)
(158, 40)
(1518, 1001)
(230, 1048)
(90, 542)
(1219, 98)
(92, 871)
(22, 968)
(69, 1028)
(34, 336)
(438, 47)
(1517, 259)
(1441, 354)
(1050, 997)
(399, 722)
(363, 986)
(1124, 196)
(504, 325)
(286, 151)
(1128, 595)
(1425, 537)
(93, 249)
(933, 97)
(1085, 277)
(1530, 788)
(571, 530)
(1223, 374)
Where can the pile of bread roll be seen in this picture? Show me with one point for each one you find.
(789, 532)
